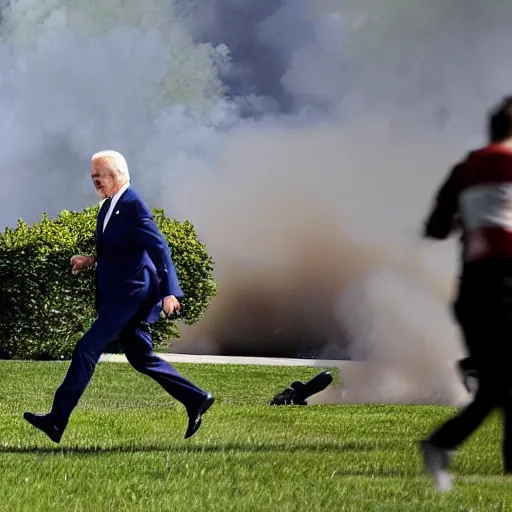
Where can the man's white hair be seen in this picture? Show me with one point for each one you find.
(118, 158)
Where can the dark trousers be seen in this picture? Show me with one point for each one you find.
(136, 341)
(484, 312)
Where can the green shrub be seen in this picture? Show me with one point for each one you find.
(44, 309)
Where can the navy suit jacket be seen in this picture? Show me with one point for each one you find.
(134, 269)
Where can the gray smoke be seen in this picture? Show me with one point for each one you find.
(303, 139)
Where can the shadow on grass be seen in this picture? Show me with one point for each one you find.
(197, 448)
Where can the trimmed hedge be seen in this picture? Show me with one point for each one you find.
(44, 309)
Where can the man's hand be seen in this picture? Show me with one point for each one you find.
(79, 263)
(171, 305)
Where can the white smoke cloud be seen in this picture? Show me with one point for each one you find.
(294, 134)
(77, 77)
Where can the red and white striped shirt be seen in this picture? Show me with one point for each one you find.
(479, 192)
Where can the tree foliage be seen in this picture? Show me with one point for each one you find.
(44, 309)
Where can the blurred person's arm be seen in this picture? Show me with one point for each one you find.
(443, 220)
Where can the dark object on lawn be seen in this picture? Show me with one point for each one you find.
(468, 374)
(299, 391)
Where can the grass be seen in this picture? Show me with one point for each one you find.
(124, 449)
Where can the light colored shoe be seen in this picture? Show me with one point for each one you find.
(436, 462)
(471, 384)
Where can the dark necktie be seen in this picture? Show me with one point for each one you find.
(101, 219)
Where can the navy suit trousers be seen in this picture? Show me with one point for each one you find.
(135, 338)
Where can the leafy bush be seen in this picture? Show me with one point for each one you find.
(44, 309)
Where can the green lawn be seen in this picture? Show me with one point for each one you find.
(124, 449)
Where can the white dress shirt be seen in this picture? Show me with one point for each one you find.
(115, 198)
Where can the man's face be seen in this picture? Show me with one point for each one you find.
(104, 177)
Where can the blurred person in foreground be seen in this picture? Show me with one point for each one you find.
(477, 197)
(135, 279)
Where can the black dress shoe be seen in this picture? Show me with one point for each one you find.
(44, 423)
(194, 415)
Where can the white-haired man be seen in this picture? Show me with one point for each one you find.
(135, 279)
